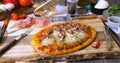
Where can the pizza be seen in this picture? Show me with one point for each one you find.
(63, 38)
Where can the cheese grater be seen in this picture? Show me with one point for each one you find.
(42, 9)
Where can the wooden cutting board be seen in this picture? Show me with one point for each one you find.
(23, 50)
(21, 10)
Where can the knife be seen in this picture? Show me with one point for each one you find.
(115, 36)
(4, 27)
(108, 39)
(85, 16)
(67, 17)
(14, 42)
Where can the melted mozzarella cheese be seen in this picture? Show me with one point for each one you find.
(80, 36)
(47, 41)
(70, 38)
(56, 38)
(55, 34)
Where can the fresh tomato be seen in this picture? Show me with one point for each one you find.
(15, 17)
(22, 16)
(13, 14)
(25, 2)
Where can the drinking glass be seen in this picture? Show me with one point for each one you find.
(72, 6)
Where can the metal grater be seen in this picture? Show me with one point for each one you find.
(41, 10)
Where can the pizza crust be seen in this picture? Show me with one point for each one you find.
(36, 41)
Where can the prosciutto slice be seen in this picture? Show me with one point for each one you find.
(24, 23)
(32, 21)
(41, 22)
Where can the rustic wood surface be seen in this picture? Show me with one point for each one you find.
(23, 51)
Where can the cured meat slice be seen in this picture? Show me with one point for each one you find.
(34, 22)
(24, 23)
(41, 22)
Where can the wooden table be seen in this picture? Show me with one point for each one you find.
(23, 51)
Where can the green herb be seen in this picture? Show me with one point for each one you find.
(114, 10)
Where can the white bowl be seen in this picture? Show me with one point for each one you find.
(119, 28)
(114, 20)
